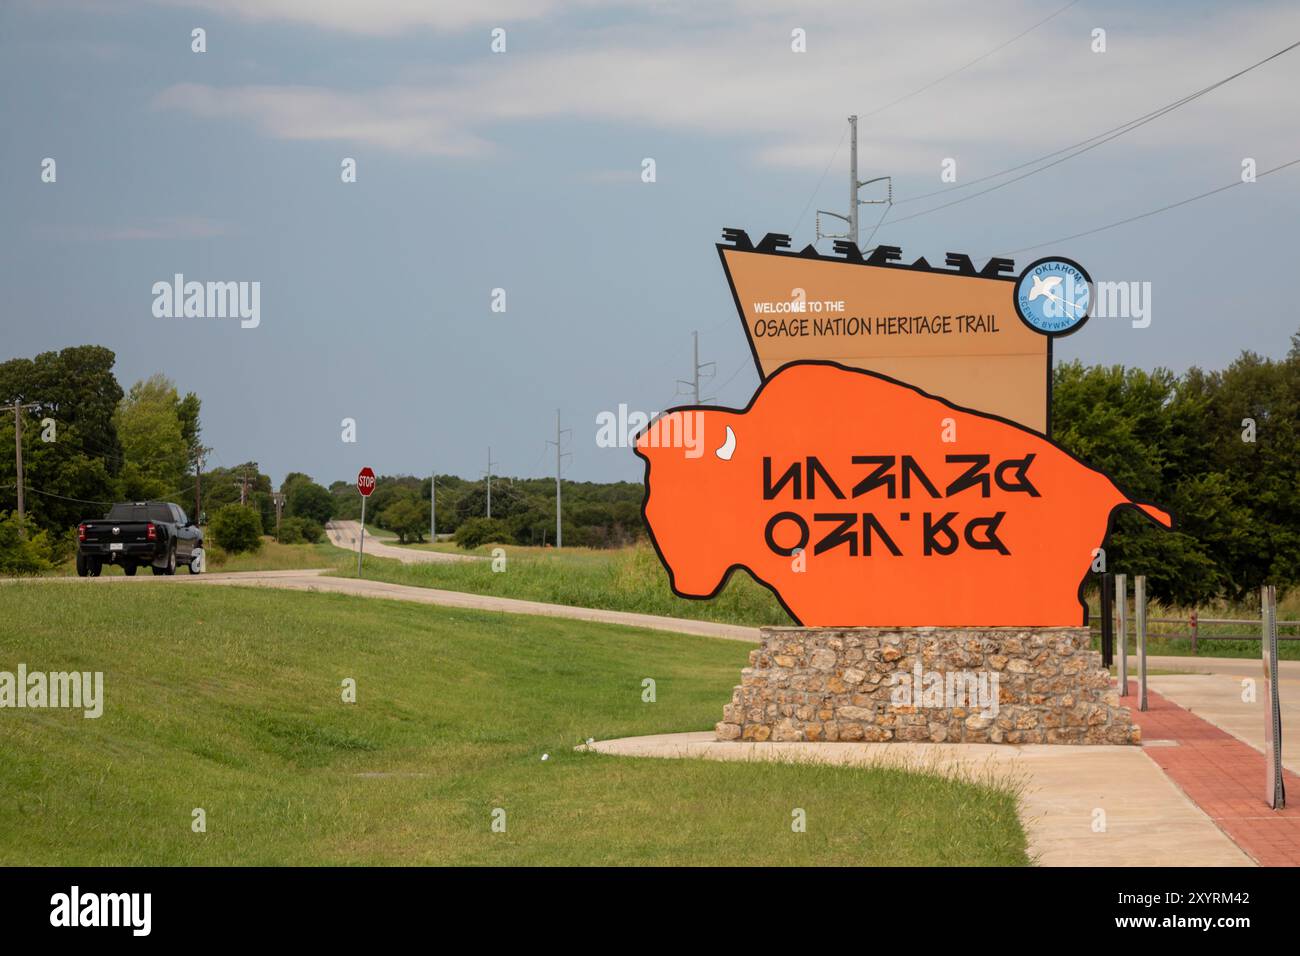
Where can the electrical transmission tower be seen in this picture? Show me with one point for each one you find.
(489, 480)
(855, 185)
(698, 371)
(560, 455)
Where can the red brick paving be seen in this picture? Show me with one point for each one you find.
(1222, 776)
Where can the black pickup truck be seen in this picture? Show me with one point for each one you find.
(139, 533)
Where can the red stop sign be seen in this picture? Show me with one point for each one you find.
(365, 482)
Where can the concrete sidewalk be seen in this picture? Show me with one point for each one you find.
(1223, 776)
(1148, 820)
(1217, 698)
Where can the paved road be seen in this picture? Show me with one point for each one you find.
(347, 534)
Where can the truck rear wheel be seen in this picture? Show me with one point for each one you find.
(129, 568)
(94, 566)
(82, 569)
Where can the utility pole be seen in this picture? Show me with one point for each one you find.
(200, 453)
(433, 508)
(278, 498)
(19, 407)
(696, 369)
(243, 486)
(853, 234)
(559, 456)
(489, 481)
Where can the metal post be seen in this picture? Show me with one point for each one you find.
(1121, 609)
(853, 182)
(559, 531)
(361, 548)
(1140, 619)
(1196, 627)
(1274, 783)
(1107, 622)
(18, 446)
(695, 365)
(433, 509)
(198, 493)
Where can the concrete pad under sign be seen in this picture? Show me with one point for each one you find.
(1149, 821)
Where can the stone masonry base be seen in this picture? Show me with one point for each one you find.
(956, 685)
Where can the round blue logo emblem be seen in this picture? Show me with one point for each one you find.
(1053, 296)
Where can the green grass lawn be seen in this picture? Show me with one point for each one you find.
(632, 579)
(228, 699)
(626, 579)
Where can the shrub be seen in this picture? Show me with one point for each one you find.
(19, 554)
(477, 531)
(299, 530)
(236, 528)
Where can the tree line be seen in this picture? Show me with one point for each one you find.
(1217, 448)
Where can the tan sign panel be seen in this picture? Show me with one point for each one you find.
(953, 333)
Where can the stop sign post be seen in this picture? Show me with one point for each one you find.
(365, 485)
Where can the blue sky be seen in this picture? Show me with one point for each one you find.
(521, 171)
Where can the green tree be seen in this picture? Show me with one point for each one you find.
(155, 448)
(507, 501)
(68, 476)
(235, 528)
(306, 499)
(408, 517)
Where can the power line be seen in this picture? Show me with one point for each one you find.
(888, 207)
(1083, 146)
(829, 164)
(981, 57)
(740, 368)
(906, 96)
(1145, 215)
(50, 494)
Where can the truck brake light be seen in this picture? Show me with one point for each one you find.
(81, 532)
(150, 532)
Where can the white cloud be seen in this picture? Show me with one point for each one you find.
(397, 119)
(737, 76)
(382, 17)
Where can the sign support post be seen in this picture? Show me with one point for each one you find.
(1274, 784)
(1140, 619)
(1121, 607)
(365, 485)
(361, 548)
(1107, 622)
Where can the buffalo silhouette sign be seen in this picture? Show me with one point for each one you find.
(859, 500)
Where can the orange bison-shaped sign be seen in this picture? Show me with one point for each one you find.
(863, 501)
